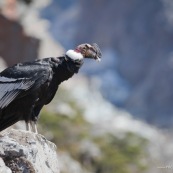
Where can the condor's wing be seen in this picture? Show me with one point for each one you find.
(21, 80)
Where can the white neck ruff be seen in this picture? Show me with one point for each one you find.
(74, 55)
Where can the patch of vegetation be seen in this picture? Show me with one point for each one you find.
(117, 155)
(120, 155)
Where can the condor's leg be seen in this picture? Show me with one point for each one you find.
(35, 117)
(28, 126)
(34, 126)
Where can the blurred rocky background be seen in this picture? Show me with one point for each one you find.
(136, 38)
(115, 116)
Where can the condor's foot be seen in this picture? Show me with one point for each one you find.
(31, 126)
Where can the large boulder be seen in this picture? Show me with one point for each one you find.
(26, 152)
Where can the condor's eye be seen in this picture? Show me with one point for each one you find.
(92, 48)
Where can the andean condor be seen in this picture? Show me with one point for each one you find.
(26, 87)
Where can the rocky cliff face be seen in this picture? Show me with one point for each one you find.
(15, 45)
(25, 152)
(141, 33)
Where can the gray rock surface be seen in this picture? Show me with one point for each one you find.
(3, 167)
(26, 152)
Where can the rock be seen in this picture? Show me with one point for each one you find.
(3, 167)
(26, 152)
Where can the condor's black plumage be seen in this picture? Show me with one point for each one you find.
(26, 87)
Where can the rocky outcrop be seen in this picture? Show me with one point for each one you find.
(26, 152)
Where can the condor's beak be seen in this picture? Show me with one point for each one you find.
(98, 52)
(90, 51)
(94, 52)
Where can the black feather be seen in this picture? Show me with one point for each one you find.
(26, 88)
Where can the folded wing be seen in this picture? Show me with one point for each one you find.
(18, 82)
(11, 88)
